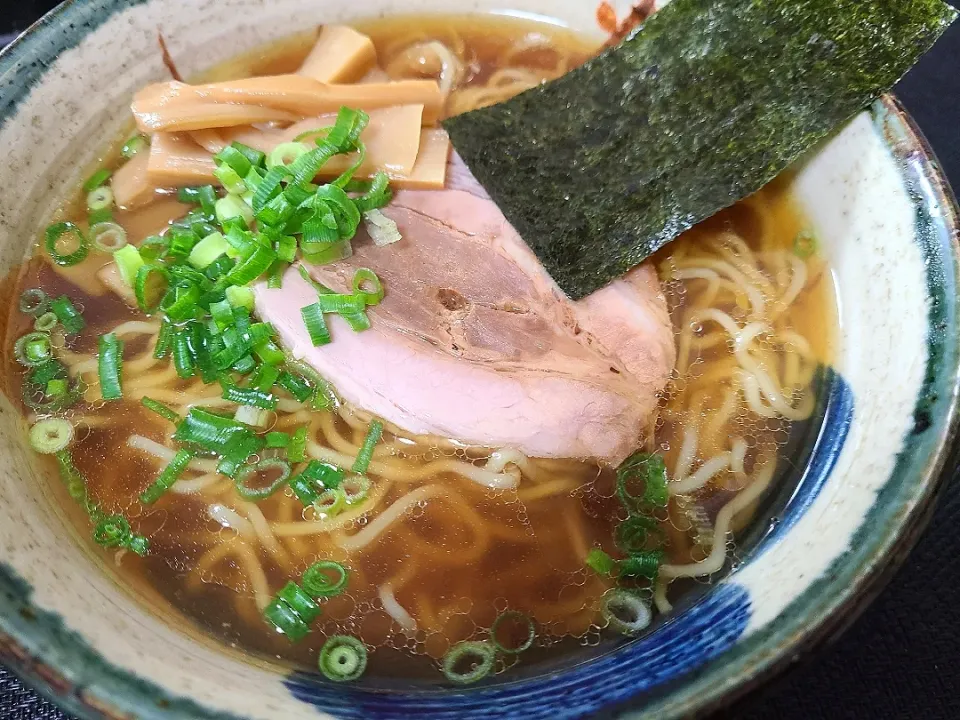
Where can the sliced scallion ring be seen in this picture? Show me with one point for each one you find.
(112, 531)
(286, 154)
(151, 286)
(108, 237)
(50, 436)
(467, 662)
(34, 301)
(250, 471)
(134, 145)
(64, 231)
(355, 488)
(46, 322)
(325, 579)
(100, 199)
(625, 611)
(343, 658)
(505, 623)
(367, 285)
(33, 349)
(330, 502)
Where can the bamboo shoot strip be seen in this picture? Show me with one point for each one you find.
(703, 105)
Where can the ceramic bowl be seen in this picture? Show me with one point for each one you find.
(869, 465)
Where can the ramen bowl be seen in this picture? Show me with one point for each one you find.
(862, 472)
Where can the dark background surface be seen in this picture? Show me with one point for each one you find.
(901, 659)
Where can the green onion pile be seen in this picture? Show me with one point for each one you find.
(642, 490)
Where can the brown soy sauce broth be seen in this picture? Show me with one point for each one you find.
(464, 553)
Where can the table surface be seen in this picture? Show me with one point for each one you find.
(899, 660)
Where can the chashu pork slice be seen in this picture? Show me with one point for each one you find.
(475, 342)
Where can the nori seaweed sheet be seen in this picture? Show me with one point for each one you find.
(701, 106)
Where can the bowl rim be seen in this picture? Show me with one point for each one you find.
(776, 647)
(750, 662)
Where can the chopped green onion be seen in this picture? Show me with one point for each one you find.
(648, 470)
(96, 180)
(509, 623)
(358, 322)
(184, 362)
(209, 430)
(151, 286)
(341, 304)
(373, 294)
(305, 489)
(265, 465)
(625, 611)
(467, 662)
(355, 489)
(377, 195)
(208, 250)
(278, 440)
(46, 322)
(230, 179)
(232, 206)
(297, 452)
(112, 531)
(30, 391)
(69, 316)
(154, 247)
(805, 244)
(325, 474)
(137, 544)
(164, 340)
(50, 370)
(129, 262)
(57, 388)
(51, 436)
(58, 231)
(108, 237)
(109, 366)
(247, 396)
(286, 248)
(316, 324)
(240, 296)
(167, 477)
(285, 620)
(100, 199)
(160, 409)
(233, 158)
(381, 229)
(34, 301)
(633, 534)
(255, 157)
(181, 301)
(644, 564)
(343, 658)
(295, 385)
(330, 502)
(33, 349)
(601, 562)
(286, 154)
(301, 603)
(205, 196)
(252, 267)
(136, 144)
(374, 433)
(325, 579)
(269, 353)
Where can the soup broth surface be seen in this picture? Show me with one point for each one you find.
(430, 539)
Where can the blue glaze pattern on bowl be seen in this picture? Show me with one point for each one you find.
(680, 645)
